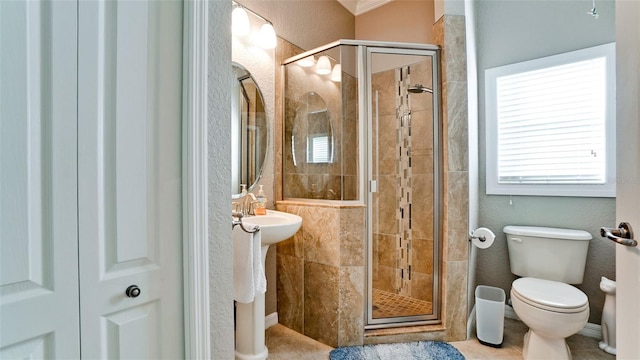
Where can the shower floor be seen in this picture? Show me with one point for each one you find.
(386, 305)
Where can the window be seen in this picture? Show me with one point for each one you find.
(551, 125)
(318, 149)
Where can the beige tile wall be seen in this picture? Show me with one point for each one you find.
(450, 35)
(321, 275)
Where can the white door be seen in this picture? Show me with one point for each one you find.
(129, 166)
(628, 174)
(38, 191)
(90, 185)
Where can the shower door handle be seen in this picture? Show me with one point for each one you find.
(622, 235)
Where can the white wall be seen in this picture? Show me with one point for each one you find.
(220, 252)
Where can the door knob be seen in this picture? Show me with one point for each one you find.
(133, 291)
(622, 235)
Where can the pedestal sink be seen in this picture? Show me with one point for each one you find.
(276, 226)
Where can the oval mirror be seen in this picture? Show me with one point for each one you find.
(312, 141)
(249, 131)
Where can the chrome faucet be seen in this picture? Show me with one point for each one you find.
(247, 205)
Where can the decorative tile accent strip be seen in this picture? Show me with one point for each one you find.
(404, 193)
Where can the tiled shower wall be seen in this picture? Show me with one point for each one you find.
(321, 272)
(404, 202)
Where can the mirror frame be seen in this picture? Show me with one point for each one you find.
(236, 125)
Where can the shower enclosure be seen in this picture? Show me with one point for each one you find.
(362, 125)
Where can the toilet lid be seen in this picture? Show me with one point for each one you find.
(553, 295)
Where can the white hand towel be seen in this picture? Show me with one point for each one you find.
(248, 274)
(260, 279)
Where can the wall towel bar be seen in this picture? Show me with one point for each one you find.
(236, 219)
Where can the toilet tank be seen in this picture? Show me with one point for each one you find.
(548, 253)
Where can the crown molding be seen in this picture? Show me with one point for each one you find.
(359, 7)
(350, 5)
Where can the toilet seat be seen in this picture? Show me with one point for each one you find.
(550, 295)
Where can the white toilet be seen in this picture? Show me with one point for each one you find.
(548, 260)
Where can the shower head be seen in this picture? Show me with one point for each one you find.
(418, 89)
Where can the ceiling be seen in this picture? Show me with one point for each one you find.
(357, 7)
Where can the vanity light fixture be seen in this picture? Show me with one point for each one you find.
(336, 73)
(307, 62)
(323, 67)
(267, 36)
(240, 25)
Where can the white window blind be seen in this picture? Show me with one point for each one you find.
(318, 150)
(550, 125)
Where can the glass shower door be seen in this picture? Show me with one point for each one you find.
(404, 200)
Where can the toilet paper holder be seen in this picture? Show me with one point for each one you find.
(481, 238)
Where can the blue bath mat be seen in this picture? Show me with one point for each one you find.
(420, 350)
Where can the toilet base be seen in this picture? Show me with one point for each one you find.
(538, 347)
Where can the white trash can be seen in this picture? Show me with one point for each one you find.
(490, 315)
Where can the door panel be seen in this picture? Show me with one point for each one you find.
(134, 330)
(36, 348)
(130, 162)
(38, 188)
(628, 174)
(404, 211)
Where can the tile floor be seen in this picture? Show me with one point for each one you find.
(386, 304)
(286, 344)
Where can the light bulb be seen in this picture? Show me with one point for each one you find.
(267, 37)
(336, 73)
(307, 62)
(324, 66)
(240, 22)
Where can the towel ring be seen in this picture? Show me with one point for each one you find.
(239, 216)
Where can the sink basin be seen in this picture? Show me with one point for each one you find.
(276, 226)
